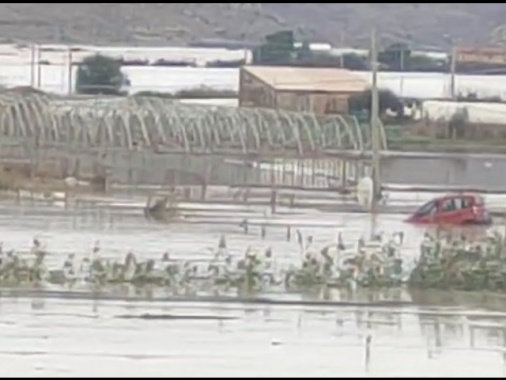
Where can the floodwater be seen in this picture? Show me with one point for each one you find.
(56, 336)
(118, 233)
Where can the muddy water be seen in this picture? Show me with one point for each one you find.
(118, 234)
(54, 336)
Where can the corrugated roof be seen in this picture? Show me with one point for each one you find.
(309, 79)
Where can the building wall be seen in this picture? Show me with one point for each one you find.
(318, 103)
(255, 93)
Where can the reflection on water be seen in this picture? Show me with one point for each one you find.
(425, 334)
(54, 337)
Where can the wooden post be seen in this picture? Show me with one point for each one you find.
(453, 69)
(375, 135)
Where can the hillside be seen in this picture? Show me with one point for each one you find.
(177, 23)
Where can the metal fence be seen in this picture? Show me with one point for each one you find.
(149, 139)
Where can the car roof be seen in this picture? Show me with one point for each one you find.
(456, 195)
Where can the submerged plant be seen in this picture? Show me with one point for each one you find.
(443, 263)
(455, 263)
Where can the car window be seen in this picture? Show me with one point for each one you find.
(460, 203)
(427, 209)
(448, 205)
(466, 202)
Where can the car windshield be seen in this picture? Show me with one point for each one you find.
(426, 209)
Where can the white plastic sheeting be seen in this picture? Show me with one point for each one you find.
(479, 113)
(437, 85)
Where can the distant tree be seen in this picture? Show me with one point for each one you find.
(361, 102)
(98, 74)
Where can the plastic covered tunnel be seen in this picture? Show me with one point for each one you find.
(148, 122)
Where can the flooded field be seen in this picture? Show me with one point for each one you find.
(118, 233)
(421, 334)
(55, 337)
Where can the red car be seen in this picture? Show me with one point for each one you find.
(455, 209)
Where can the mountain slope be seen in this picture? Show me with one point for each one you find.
(420, 22)
(177, 23)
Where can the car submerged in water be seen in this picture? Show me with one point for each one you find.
(453, 209)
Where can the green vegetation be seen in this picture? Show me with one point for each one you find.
(361, 103)
(444, 262)
(100, 75)
(279, 49)
(459, 266)
(192, 93)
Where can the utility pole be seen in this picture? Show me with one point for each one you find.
(341, 46)
(453, 69)
(69, 70)
(39, 68)
(375, 135)
(402, 59)
(32, 65)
